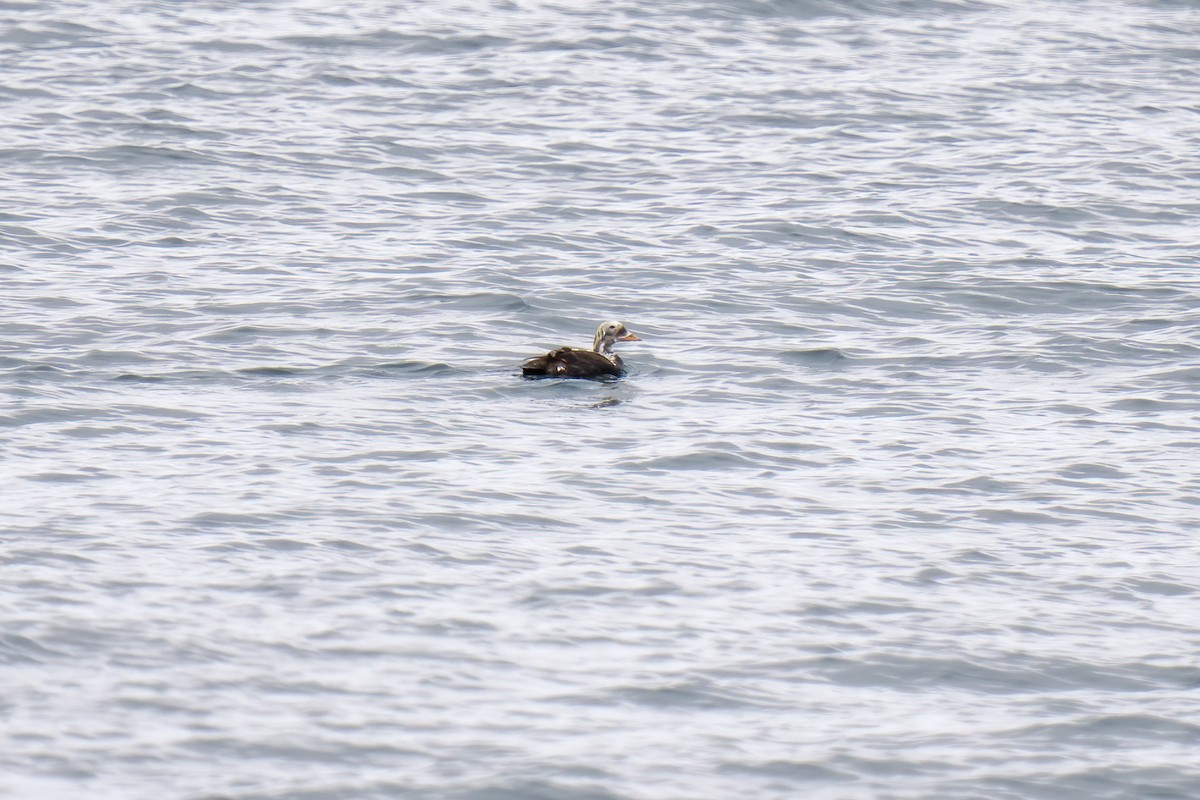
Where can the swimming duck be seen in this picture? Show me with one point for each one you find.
(569, 362)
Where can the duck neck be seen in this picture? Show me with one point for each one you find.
(603, 346)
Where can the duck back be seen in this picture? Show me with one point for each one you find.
(568, 362)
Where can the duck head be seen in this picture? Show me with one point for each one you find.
(609, 333)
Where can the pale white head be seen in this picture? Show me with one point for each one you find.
(610, 333)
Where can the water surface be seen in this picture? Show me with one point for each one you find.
(898, 500)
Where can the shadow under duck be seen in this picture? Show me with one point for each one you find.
(571, 362)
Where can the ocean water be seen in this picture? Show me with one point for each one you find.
(899, 498)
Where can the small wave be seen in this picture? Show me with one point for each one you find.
(697, 460)
(817, 357)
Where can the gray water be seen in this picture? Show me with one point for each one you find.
(898, 500)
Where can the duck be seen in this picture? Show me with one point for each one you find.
(571, 362)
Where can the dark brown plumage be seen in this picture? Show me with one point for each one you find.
(571, 362)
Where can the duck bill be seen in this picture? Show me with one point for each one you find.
(629, 337)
